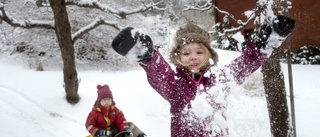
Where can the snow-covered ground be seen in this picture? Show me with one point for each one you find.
(33, 103)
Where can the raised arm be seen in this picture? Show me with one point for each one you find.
(249, 61)
(160, 76)
(256, 53)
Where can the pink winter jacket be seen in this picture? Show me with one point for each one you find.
(179, 89)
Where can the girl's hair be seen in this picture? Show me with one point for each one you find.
(203, 64)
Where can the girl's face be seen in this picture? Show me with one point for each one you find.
(192, 56)
(106, 102)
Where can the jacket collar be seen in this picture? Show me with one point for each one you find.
(195, 78)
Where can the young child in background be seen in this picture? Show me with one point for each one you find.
(193, 78)
(107, 120)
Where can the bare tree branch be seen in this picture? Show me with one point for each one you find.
(119, 13)
(209, 4)
(242, 25)
(204, 7)
(27, 23)
(99, 21)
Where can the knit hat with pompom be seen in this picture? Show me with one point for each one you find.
(104, 92)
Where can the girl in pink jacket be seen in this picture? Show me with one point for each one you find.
(197, 94)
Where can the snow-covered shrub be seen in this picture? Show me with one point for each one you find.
(308, 54)
(226, 43)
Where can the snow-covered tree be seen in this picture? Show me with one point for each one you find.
(280, 123)
(58, 21)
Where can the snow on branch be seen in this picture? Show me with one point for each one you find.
(209, 4)
(99, 21)
(242, 25)
(120, 13)
(27, 23)
(204, 7)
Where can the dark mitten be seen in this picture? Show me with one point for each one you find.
(123, 41)
(133, 44)
(283, 25)
(102, 133)
(275, 33)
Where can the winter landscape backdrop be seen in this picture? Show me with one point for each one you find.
(33, 102)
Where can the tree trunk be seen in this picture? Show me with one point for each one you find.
(63, 32)
(275, 91)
